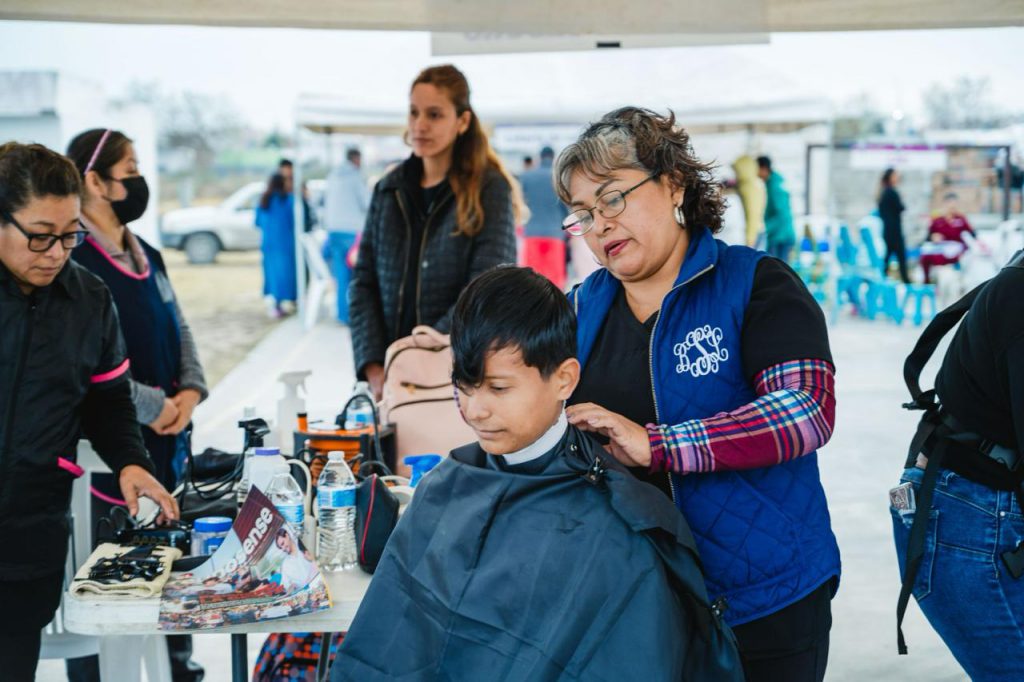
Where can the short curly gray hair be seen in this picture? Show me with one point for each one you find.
(632, 137)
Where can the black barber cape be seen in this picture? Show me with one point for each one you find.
(550, 570)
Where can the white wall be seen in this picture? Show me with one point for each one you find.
(82, 105)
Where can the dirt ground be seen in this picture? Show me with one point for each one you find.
(223, 304)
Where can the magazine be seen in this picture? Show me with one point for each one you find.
(260, 572)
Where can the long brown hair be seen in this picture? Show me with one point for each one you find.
(472, 155)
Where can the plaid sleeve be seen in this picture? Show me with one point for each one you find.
(793, 415)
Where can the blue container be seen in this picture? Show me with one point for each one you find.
(420, 464)
(208, 533)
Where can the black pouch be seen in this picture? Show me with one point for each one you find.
(376, 517)
(212, 464)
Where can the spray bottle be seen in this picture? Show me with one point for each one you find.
(289, 406)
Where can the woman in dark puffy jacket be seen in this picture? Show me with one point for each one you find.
(445, 215)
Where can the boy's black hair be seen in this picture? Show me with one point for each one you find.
(764, 162)
(510, 307)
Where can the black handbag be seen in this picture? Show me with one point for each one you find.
(376, 517)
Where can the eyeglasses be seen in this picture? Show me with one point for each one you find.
(609, 205)
(41, 242)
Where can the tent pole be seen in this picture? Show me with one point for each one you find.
(300, 225)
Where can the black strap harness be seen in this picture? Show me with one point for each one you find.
(946, 443)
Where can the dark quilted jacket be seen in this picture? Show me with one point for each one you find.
(448, 260)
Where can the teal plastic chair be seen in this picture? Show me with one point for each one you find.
(882, 294)
(920, 293)
(851, 279)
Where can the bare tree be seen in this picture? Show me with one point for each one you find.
(965, 103)
(201, 123)
(859, 117)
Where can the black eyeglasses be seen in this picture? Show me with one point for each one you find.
(41, 242)
(609, 205)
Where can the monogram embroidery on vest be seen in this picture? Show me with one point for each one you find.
(705, 341)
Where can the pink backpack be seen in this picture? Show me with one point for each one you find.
(419, 399)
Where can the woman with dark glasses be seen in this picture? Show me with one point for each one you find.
(63, 372)
(707, 368)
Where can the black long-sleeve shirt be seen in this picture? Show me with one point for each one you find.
(63, 372)
(981, 381)
(890, 210)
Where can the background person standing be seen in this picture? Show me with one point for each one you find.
(778, 216)
(890, 210)
(275, 216)
(436, 221)
(345, 205)
(544, 241)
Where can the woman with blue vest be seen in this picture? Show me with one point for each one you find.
(707, 367)
(167, 380)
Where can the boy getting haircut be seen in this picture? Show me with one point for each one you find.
(533, 554)
(510, 307)
(514, 345)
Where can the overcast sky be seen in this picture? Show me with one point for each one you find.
(263, 70)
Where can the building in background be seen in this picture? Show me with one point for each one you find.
(51, 107)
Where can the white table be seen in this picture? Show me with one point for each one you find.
(127, 627)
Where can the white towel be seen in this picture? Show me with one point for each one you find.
(138, 588)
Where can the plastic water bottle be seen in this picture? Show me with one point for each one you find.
(360, 413)
(336, 505)
(242, 487)
(287, 497)
(263, 466)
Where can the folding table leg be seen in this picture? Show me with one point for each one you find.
(239, 654)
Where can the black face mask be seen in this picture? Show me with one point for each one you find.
(132, 207)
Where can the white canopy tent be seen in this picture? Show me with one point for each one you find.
(709, 91)
(573, 96)
(537, 16)
(727, 102)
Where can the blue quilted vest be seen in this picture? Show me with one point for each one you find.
(149, 324)
(764, 535)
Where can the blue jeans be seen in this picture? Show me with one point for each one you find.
(962, 586)
(780, 250)
(339, 244)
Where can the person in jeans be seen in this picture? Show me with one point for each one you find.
(708, 370)
(975, 528)
(345, 203)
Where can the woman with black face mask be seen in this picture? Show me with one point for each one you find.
(167, 380)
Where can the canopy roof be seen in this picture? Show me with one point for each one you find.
(708, 91)
(537, 16)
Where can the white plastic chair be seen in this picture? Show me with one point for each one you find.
(320, 279)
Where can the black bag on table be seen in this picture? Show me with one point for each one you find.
(376, 518)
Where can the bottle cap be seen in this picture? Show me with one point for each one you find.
(268, 451)
(212, 524)
(335, 456)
